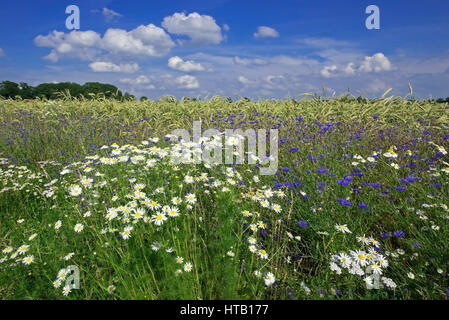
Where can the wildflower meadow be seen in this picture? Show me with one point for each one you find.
(94, 205)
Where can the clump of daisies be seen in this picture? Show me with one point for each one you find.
(366, 262)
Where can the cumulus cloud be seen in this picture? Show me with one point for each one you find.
(377, 63)
(201, 29)
(328, 71)
(177, 63)
(350, 68)
(266, 32)
(110, 14)
(187, 82)
(146, 40)
(103, 66)
(80, 44)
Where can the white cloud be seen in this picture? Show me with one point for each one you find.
(243, 80)
(137, 81)
(266, 32)
(147, 40)
(273, 79)
(324, 43)
(187, 82)
(177, 63)
(88, 45)
(350, 68)
(2, 53)
(103, 66)
(226, 27)
(328, 71)
(110, 14)
(376, 63)
(201, 29)
(250, 62)
(80, 44)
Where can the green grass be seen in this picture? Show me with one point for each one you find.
(38, 139)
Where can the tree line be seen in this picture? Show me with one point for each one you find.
(9, 89)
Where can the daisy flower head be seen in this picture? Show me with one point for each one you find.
(153, 205)
(78, 227)
(66, 290)
(159, 218)
(345, 260)
(126, 234)
(34, 235)
(360, 257)
(363, 239)
(23, 248)
(263, 254)
(246, 213)
(269, 279)
(230, 253)
(252, 240)
(57, 283)
(190, 198)
(28, 260)
(188, 179)
(343, 228)
(62, 274)
(139, 186)
(69, 256)
(75, 190)
(188, 267)
(173, 212)
(7, 250)
(155, 246)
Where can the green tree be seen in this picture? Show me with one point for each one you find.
(9, 89)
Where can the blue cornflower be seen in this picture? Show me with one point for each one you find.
(362, 205)
(302, 224)
(321, 170)
(384, 235)
(399, 234)
(344, 202)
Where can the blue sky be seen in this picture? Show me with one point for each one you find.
(257, 49)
